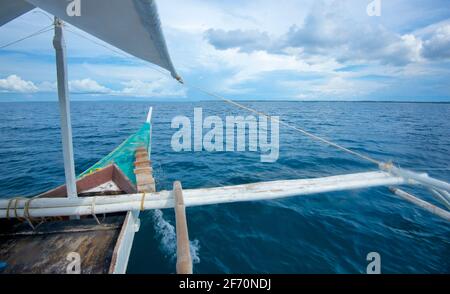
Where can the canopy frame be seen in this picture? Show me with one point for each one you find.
(64, 109)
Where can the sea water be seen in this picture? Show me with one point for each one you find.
(324, 233)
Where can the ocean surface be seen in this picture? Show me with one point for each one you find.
(323, 233)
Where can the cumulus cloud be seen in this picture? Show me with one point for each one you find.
(47, 86)
(162, 87)
(245, 41)
(14, 83)
(436, 43)
(88, 86)
(326, 32)
(158, 88)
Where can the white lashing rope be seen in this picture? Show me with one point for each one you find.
(93, 210)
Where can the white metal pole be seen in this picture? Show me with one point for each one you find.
(64, 108)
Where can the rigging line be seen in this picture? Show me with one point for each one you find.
(41, 31)
(330, 143)
(123, 54)
(45, 14)
(98, 43)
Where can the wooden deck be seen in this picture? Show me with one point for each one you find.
(46, 250)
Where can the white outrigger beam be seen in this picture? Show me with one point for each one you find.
(46, 207)
(64, 108)
(420, 178)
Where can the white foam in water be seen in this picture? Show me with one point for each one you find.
(195, 247)
(166, 232)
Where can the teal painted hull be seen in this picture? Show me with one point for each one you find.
(123, 156)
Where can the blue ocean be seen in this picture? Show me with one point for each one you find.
(323, 233)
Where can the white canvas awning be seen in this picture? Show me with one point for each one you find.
(130, 25)
(10, 10)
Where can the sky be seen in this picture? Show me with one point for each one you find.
(301, 50)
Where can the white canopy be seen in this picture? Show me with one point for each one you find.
(9, 10)
(130, 25)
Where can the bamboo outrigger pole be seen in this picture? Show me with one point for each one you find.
(64, 108)
(184, 259)
(423, 204)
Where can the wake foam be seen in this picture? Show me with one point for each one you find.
(166, 233)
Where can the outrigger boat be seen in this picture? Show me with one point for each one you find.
(94, 216)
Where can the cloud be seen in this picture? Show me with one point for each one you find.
(339, 85)
(158, 87)
(259, 50)
(48, 87)
(162, 87)
(14, 83)
(88, 86)
(326, 32)
(436, 45)
(245, 41)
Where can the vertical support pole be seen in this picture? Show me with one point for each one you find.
(184, 260)
(64, 108)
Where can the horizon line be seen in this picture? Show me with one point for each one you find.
(257, 100)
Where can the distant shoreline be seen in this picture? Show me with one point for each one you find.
(259, 101)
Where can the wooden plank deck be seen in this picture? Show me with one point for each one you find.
(46, 249)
